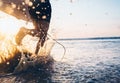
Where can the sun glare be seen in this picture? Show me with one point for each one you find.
(10, 25)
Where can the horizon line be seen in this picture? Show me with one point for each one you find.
(91, 38)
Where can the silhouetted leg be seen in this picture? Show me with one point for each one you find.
(23, 32)
(43, 34)
(20, 35)
(38, 47)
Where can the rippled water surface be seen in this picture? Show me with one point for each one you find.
(87, 61)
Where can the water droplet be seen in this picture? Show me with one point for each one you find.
(37, 12)
(23, 3)
(33, 7)
(24, 9)
(24, 62)
(44, 17)
(13, 5)
(8, 63)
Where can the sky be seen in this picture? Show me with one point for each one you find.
(85, 18)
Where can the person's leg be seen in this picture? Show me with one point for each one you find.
(44, 30)
(23, 32)
(43, 26)
(20, 35)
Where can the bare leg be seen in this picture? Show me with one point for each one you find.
(20, 35)
(23, 32)
(43, 33)
(41, 28)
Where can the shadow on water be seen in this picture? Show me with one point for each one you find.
(41, 72)
(34, 76)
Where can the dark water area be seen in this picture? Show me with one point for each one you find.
(86, 61)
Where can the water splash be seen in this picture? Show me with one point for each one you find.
(8, 48)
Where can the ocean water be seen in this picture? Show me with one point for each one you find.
(87, 61)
